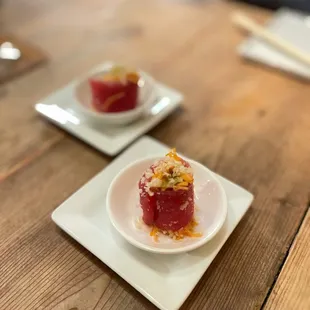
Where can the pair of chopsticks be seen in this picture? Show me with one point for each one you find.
(284, 46)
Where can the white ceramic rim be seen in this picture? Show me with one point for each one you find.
(187, 248)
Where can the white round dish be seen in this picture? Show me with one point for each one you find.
(146, 98)
(125, 212)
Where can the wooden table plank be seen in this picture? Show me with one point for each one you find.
(34, 249)
(292, 289)
(102, 31)
(249, 124)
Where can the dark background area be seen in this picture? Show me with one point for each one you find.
(302, 5)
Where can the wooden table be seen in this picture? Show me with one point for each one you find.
(250, 125)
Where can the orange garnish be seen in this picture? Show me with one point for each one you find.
(112, 99)
(158, 175)
(115, 74)
(121, 74)
(187, 177)
(154, 233)
(132, 77)
(173, 154)
(176, 187)
(187, 231)
(110, 77)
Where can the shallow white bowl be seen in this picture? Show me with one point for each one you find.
(146, 98)
(125, 212)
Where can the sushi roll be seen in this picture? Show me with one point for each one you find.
(167, 196)
(115, 91)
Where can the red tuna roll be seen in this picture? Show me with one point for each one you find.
(116, 91)
(167, 193)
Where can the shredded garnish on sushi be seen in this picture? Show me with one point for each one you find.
(122, 74)
(187, 231)
(154, 233)
(173, 154)
(169, 172)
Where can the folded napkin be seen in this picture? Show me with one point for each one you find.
(291, 26)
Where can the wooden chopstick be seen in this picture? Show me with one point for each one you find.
(246, 23)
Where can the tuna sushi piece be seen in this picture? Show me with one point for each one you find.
(167, 194)
(116, 91)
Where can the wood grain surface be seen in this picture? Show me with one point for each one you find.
(247, 123)
(31, 56)
(292, 290)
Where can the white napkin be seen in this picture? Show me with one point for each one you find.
(291, 26)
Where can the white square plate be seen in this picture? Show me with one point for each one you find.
(59, 108)
(290, 25)
(166, 280)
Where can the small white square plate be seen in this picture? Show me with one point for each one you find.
(290, 25)
(60, 109)
(166, 280)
